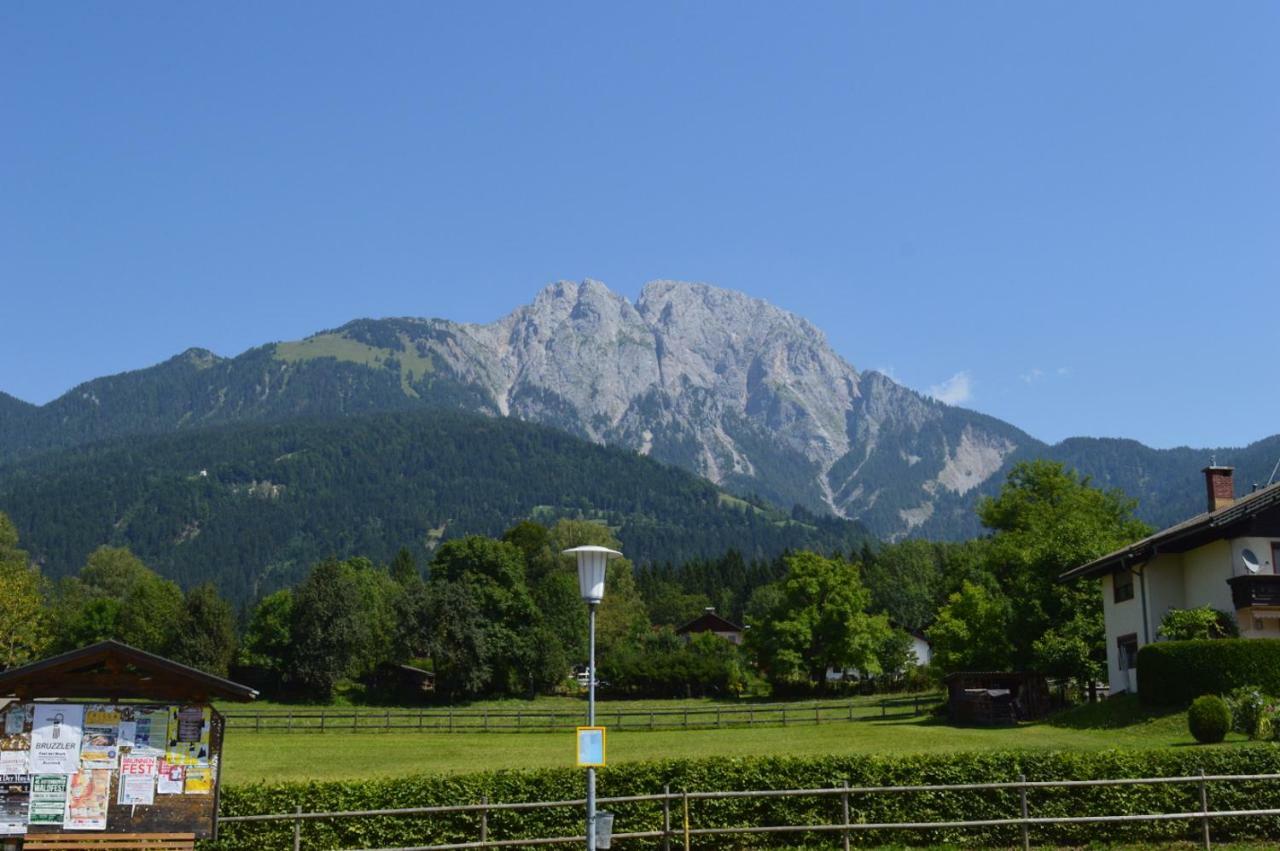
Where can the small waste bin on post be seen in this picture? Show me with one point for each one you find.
(604, 829)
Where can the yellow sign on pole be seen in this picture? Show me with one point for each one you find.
(590, 747)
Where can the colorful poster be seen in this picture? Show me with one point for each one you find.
(88, 796)
(188, 742)
(199, 780)
(15, 803)
(169, 778)
(48, 798)
(99, 746)
(143, 728)
(15, 740)
(55, 738)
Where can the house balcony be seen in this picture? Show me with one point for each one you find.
(1261, 589)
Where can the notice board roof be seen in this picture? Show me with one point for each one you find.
(110, 670)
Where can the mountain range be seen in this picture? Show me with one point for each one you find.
(720, 384)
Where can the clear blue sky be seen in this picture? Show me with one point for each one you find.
(1063, 214)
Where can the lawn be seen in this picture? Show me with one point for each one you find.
(252, 757)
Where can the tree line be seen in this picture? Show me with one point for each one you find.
(502, 615)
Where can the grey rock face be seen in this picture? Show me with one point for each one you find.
(731, 387)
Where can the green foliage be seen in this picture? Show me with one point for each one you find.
(208, 637)
(1204, 622)
(663, 664)
(1173, 673)
(269, 633)
(786, 773)
(23, 628)
(972, 631)
(815, 618)
(1209, 719)
(116, 596)
(907, 581)
(1252, 711)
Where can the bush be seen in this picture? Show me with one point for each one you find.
(640, 778)
(1173, 673)
(1209, 719)
(1204, 622)
(1251, 712)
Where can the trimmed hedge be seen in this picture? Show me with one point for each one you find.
(783, 773)
(1174, 673)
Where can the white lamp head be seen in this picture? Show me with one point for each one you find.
(591, 570)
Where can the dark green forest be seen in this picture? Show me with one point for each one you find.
(253, 507)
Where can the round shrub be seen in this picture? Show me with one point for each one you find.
(1209, 719)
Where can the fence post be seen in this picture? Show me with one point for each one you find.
(851, 710)
(717, 717)
(784, 715)
(686, 718)
(1022, 795)
(421, 712)
(751, 716)
(917, 697)
(290, 729)
(817, 708)
(666, 818)
(1204, 807)
(297, 828)
(519, 718)
(686, 820)
(486, 720)
(322, 713)
(484, 818)
(845, 803)
(387, 721)
(650, 720)
(450, 719)
(883, 709)
(257, 722)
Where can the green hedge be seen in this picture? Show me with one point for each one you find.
(1174, 673)
(781, 773)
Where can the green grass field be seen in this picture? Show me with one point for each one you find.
(250, 757)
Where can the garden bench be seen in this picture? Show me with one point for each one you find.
(113, 841)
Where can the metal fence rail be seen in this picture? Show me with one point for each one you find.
(683, 831)
(539, 720)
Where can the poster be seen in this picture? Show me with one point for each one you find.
(17, 719)
(199, 780)
(99, 746)
(169, 778)
(55, 738)
(143, 728)
(88, 796)
(15, 803)
(137, 789)
(48, 798)
(15, 739)
(188, 742)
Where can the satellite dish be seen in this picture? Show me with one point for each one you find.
(1251, 562)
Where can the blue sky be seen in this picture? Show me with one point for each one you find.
(1063, 214)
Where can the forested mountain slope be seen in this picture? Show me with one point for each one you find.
(252, 507)
(718, 383)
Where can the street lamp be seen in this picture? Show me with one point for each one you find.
(592, 563)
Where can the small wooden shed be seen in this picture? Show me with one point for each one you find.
(991, 698)
(131, 707)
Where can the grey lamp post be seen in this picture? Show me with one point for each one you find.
(592, 562)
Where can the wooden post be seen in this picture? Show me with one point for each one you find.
(1022, 796)
(322, 713)
(297, 829)
(421, 713)
(751, 716)
(484, 818)
(1204, 808)
(917, 697)
(717, 717)
(883, 709)
(784, 715)
(257, 722)
(650, 720)
(290, 728)
(851, 710)
(519, 718)
(666, 818)
(450, 719)
(686, 718)
(817, 708)
(686, 821)
(355, 721)
(386, 722)
(486, 719)
(845, 804)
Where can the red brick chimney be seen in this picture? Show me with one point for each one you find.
(1218, 484)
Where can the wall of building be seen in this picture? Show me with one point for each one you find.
(1166, 589)
(1205, 572)
(1120, 619)
(922, 650)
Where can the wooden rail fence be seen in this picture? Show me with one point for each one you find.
(676, 825)
(544, 720)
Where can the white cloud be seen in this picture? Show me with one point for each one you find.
(956, 390)
(1064, 370)
(1033, 376)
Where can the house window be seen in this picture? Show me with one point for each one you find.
(1128, 651)
(1122, 582)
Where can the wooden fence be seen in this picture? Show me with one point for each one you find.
(548, 720)
(678, 827)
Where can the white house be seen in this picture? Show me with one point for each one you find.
(1225, 558)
